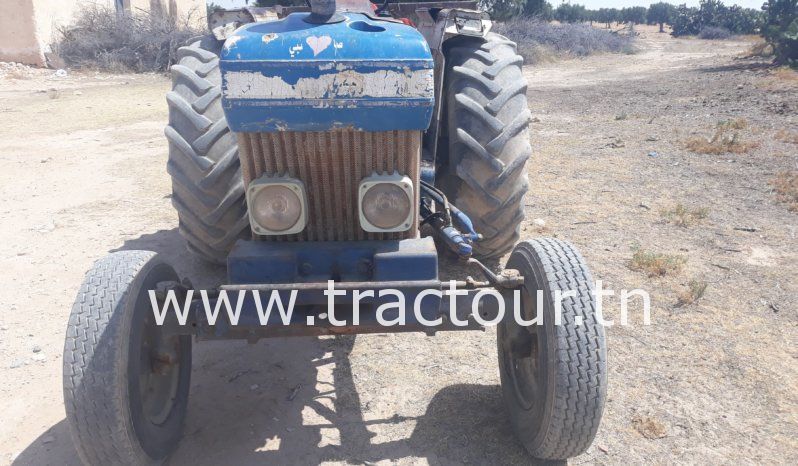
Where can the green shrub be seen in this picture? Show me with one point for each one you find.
(713, 13)
(607, 15)
(661, 13)
(634, 14)
(571, 13)
(502, 9)
(540, 9)
(781, 30)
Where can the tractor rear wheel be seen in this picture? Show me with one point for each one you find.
(207, 187)
(488, 144)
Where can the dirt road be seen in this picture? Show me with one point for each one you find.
(82, 173)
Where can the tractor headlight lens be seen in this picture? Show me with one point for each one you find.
(386, 203)
(385, 206)
(276, 206)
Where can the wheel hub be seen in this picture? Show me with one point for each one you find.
(159, 372)
(524, 364)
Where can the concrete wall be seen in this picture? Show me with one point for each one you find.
(18, 33)
(28, 27)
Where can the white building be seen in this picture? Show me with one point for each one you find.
(28, 27)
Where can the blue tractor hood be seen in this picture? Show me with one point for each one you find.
(360, 73)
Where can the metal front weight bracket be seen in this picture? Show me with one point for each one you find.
(508, 278)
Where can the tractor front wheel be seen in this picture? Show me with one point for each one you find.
(553, 373)
(126, 381)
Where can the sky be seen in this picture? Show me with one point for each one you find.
(591, 4)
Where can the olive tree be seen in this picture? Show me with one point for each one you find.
(661, 13)
(781, 30)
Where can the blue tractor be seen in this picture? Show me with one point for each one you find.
(341, 146)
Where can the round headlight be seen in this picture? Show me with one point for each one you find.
(386, 205)
(276, 208)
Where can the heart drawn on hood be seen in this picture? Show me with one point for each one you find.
(318, 44)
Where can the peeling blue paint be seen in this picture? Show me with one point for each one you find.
(289, 75)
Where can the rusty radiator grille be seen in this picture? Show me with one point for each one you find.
(331, 165)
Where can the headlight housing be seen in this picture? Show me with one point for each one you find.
(386, 203)
(277, 206)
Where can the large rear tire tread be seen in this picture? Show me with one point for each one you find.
(487, 126)
(207, 187)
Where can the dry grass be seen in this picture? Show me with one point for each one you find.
(695, 290)
(779, 79)
(786, 186)
(684, 216)
(785, 74)
(649, 428)
(141, 42)
(759, 49)
(734, 123)
(539, 40)
(656, 264)
(787, 136)
(727, 139)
